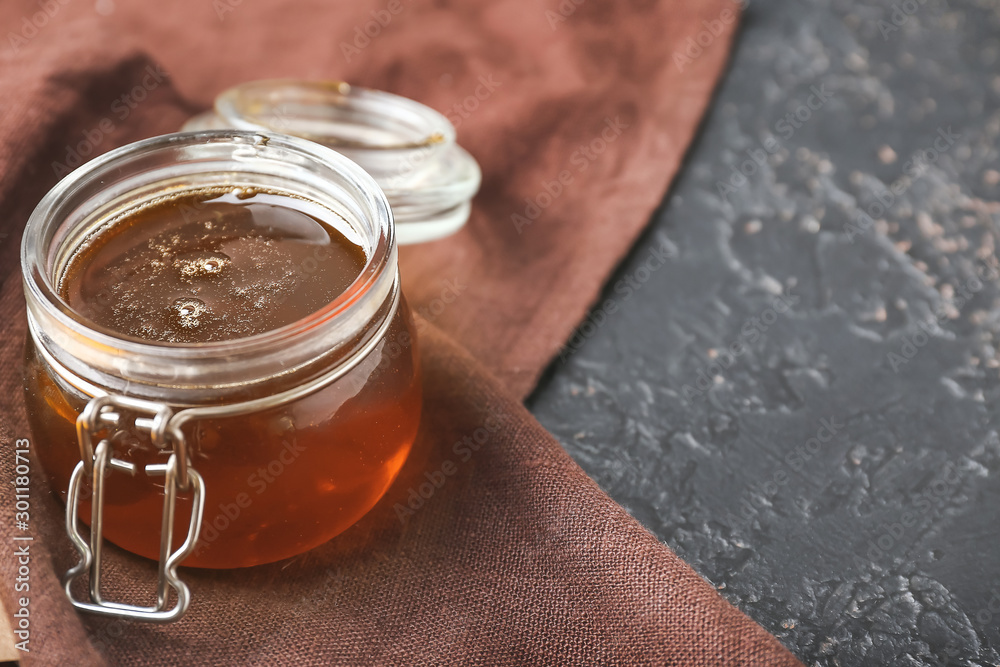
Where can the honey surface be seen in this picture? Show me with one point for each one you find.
(211, 265)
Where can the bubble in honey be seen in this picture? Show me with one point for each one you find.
(201, 264)
(244, 193)
(187, 310)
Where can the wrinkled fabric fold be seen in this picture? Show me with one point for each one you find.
(579, 113)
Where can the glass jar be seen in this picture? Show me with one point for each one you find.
(284, 438)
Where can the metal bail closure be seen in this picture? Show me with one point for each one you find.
(103, 412)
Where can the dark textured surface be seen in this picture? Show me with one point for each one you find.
(845, 498)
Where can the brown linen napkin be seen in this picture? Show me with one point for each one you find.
(517, 558)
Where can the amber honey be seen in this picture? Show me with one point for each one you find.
(225, 264)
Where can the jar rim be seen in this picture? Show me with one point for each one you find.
(258, 154)
(275, 104)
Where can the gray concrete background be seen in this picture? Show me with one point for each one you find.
(803, 401)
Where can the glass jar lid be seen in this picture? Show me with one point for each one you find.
(407, 147)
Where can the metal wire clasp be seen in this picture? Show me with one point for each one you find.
(107, 412)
